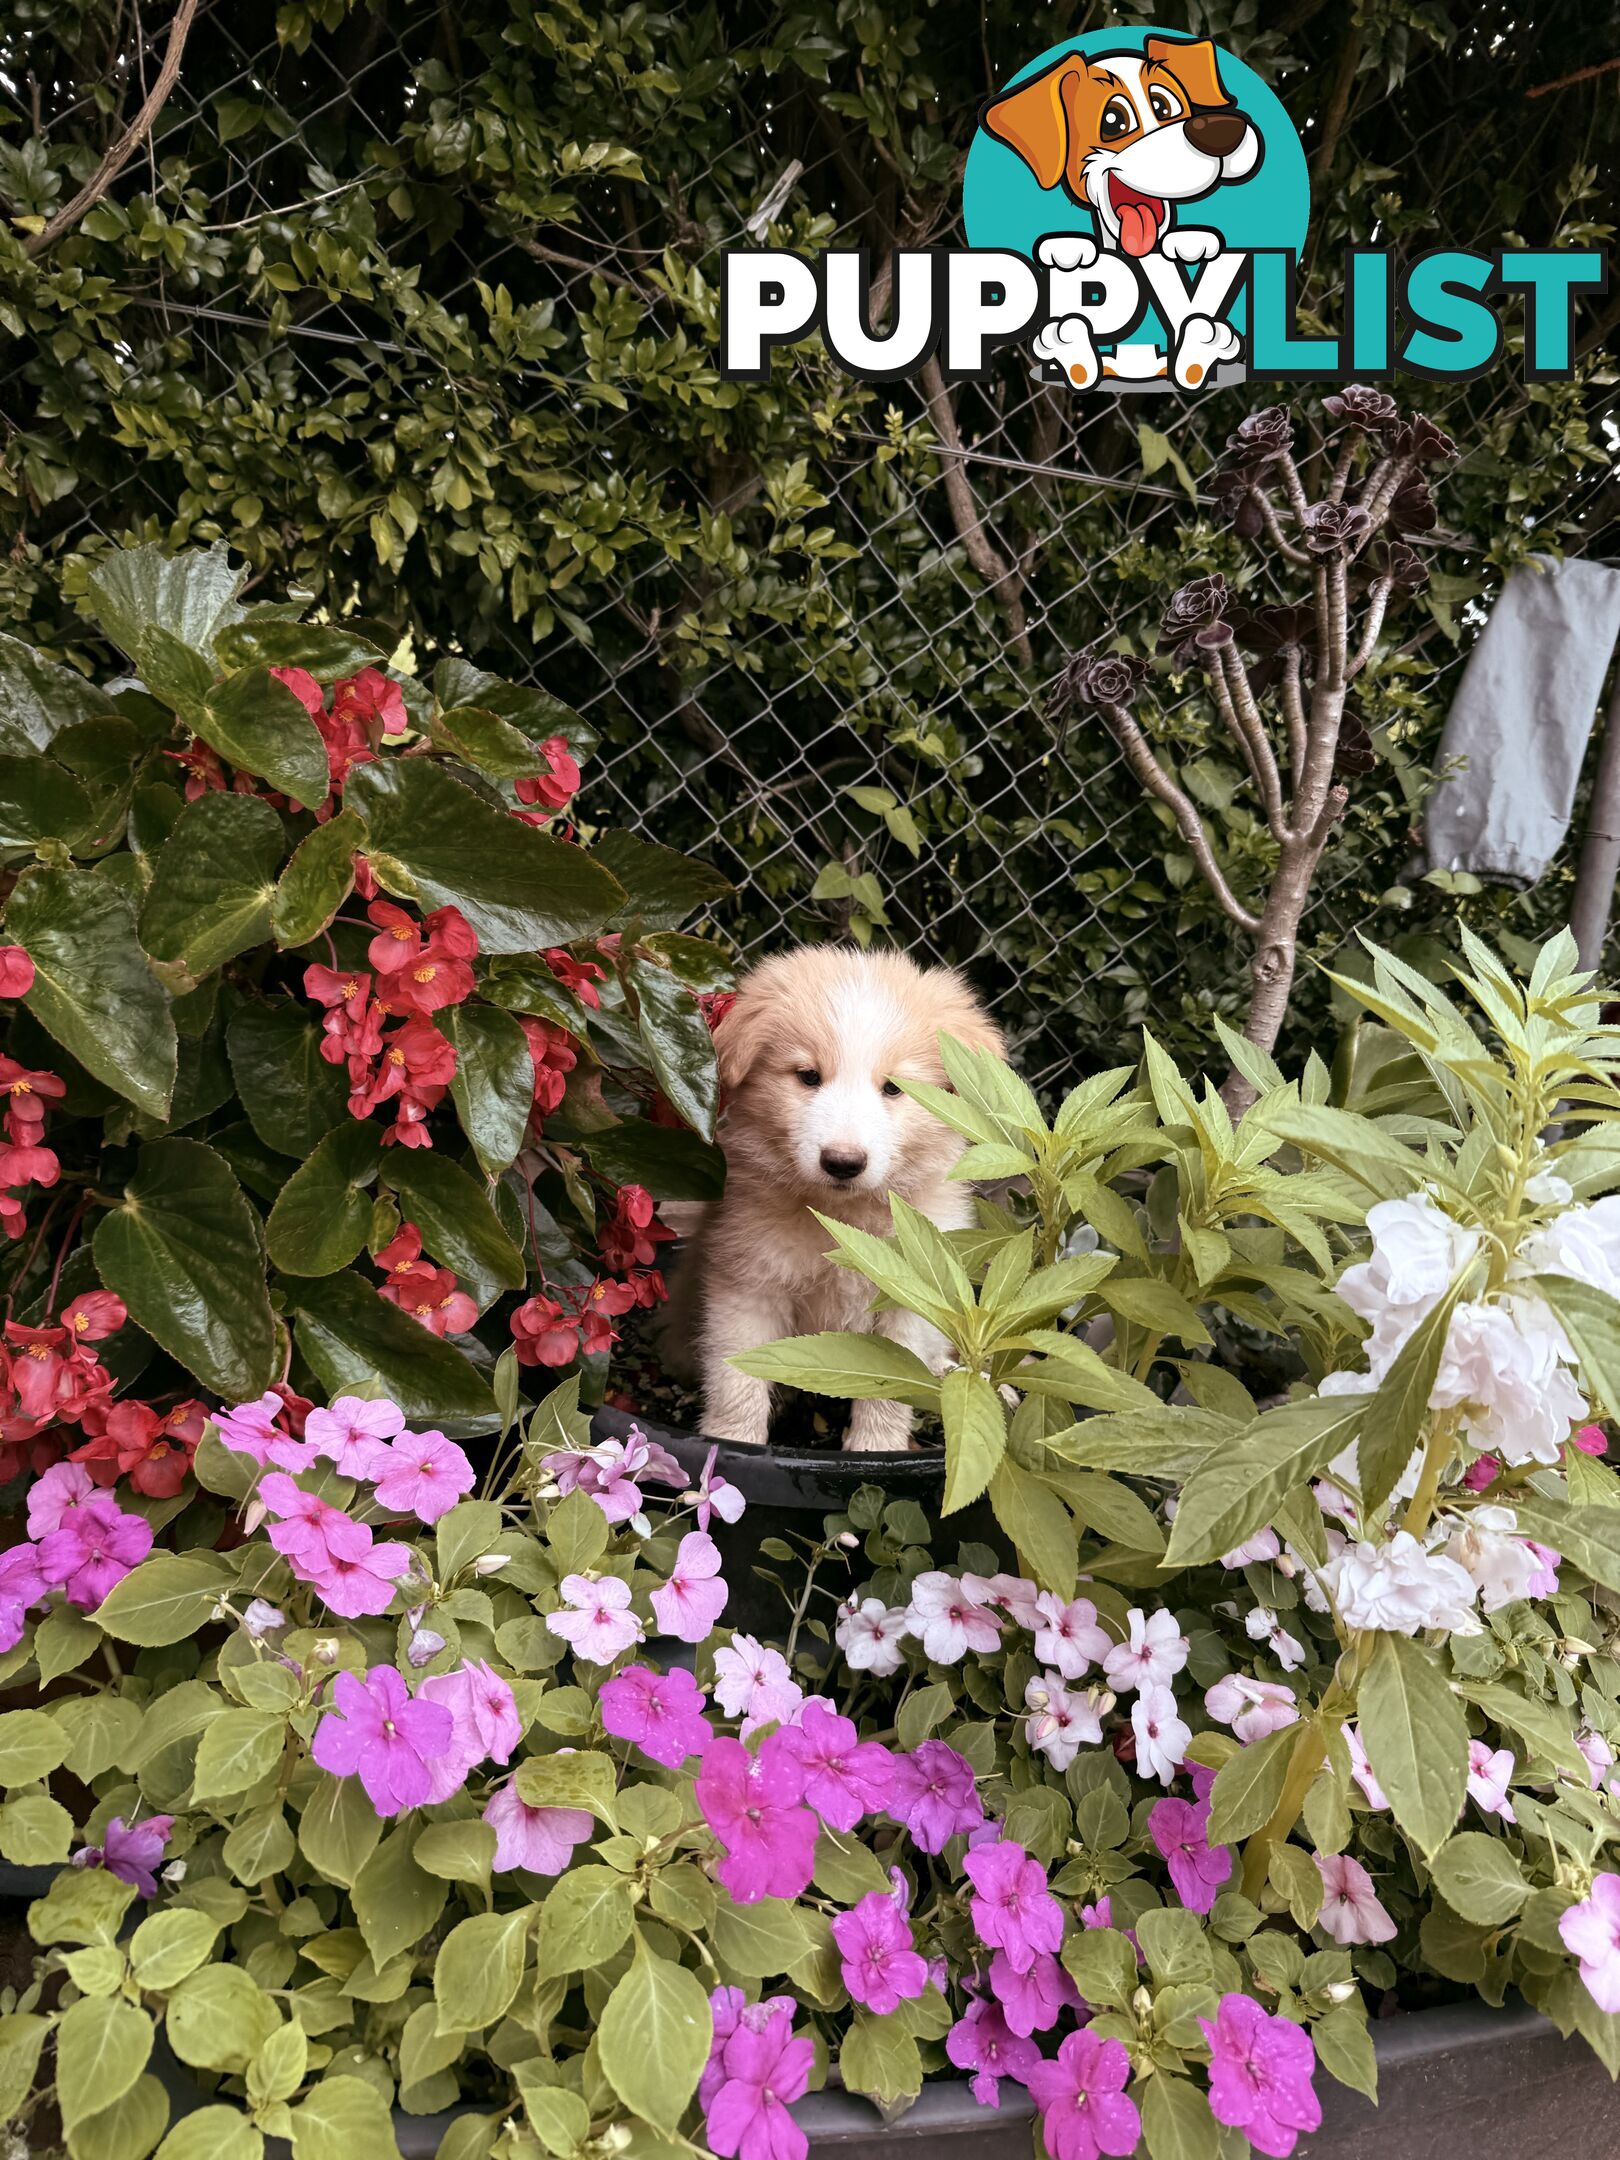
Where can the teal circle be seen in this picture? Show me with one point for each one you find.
(1004, 206)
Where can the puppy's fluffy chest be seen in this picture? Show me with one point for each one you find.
(782, 1250)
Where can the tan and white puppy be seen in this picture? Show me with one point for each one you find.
(810, 1057)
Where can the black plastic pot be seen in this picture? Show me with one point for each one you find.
(788, 1492)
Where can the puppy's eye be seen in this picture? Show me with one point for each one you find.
(807, 1076)
(891, 1087)
(1164, 105)
(1119, 118)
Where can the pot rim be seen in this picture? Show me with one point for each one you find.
(784, 1477)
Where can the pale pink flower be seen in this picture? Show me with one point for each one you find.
(1161, 1737)
(1152, 1654)
(422, 1474)
(54, 1494)
(1061, 1720)
(947, 1621)
(1263, 1625)
(541, 1839)
(1253, 1708)
(870, 1635)
(1362, 1770)
(1489, 1775)
(1264, 1545)
(1350, 1911)
(352, 1432)
(598, 1622)
(1068, 1637)
(1591, 1932)
(690, 1603)
(754, 1683)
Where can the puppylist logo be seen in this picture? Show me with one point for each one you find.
(1136, 204)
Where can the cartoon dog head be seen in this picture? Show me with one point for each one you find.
(1130, 135)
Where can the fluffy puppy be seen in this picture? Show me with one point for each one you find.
(810, 1059)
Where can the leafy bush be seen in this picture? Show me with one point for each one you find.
(430, 1794)
(334, 1058)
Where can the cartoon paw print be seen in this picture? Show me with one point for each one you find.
(1191, 244)
(1203, 345)
(1067, 344)
(1067, 251)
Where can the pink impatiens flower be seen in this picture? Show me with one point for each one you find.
(870, 1634)
(1011, 1908)
(1180, 1830)
(353, 1433)
(94, 1549)
(1151, 1655)
(131, 1851)
(934, 1795)
(362, 1588)
(310, 1531)
(1035, 1999)
(485, 1723)
(661, 1712)
(845, 1777)
(986, 2044)
(1591, 1932)
(1081, 2096)
(1351, 1912)
(1061, 1720)
(422, 1474)
(1361, 1770)
(754, 1806)
(1069, 1638)
(541, 1839)
(690, 1603)
(1260, 2073)
(597, 1620)
(882, 1966)
(763, 2067)
(1161, 1734)
(376, 1732)
(755, 1684)
(1490, 1772)
(947, 1620)
(1253, 1708)
(55, 1494)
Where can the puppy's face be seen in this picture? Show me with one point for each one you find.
(811, 1057)
(1129, 135)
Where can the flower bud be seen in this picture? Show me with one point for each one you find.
(615, 2138)
(1142, 2005)
(848, 1540)
(1340, 1991)
(325, 1652)
(491, 1563)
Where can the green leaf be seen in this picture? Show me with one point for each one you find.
(586, 1917)
(39, 697)
(459, 1227)
(238, 1749)
(678, 1044)
(320, 649)
(93, 988)
(1588, 1537)
(560, 2118)
(192, 595)
(1248, 1786)
(879, 2058)
(293, 1098)
(1244, 1481)
(570, 1779)
(395, 1901)
(661, 887)
(169, 1945)
(1416, 1737)
(32, 1744)
(182, 1251)
(484, 740)
(1176, 2121)
(102, 2045)
(213, 2133)
(760, 1939)
(434, 841)
(218, 2018)
(1397, 1412)
(478, 1969)
(166, 1599)
(323, 1212)
(653, 2038)
(1544, 1731)
(868, 1366)
(671, 1161)
(215, 877)
(341, 2118)
(1591, 1320)
(350, 1336)
(40, 801)
(975, 1435)
(1147, 1302)
(22, 2037)
(493, 1084)
(1105, 1505)
(456, 1851)
(128, 2129)
(1344, 2047)
(1479, 1878)
(35, 1831)
(258, 725)
(339, 1829)
(1039, 1525)
(924, 1710)
(317, 881)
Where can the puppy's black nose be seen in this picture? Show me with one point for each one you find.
(1217, 134)
(842, 1163)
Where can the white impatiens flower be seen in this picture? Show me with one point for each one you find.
(1153, 1654)
(1504, 1566)
(1400, 1589)
(1418, 1251)
(1583, 1242)
(948, 1620)
(1062, 1720)
(1253, 1708)
(1068, 1636)
(1262, 1625)
(870, 1634)
(1501, 1368)
(1547, 1189)
(1161, 1737)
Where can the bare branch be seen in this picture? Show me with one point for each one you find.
(1295, 487)
(125, 145)
(1383, 486)
(541, 253)
(1139, 756)
(1343, 468)
(1279, 540)
(1377, 604)
(1293, 705)
(1235, 697)
(1000, 575)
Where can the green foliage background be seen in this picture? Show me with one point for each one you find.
(415, 306)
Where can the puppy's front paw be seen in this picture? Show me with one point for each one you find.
(1066, 251)
(1191, 243)
(1067, 344)
(878, 1443)
(1203, 345)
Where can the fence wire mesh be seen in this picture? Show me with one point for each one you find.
(850, 715)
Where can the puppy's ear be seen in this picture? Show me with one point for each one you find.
(1034, 120)
(1193, 64)
(958, 1013)
(740, 1038)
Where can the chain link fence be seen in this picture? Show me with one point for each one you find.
(850, 715)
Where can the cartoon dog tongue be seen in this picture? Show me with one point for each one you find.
(1140, 216)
